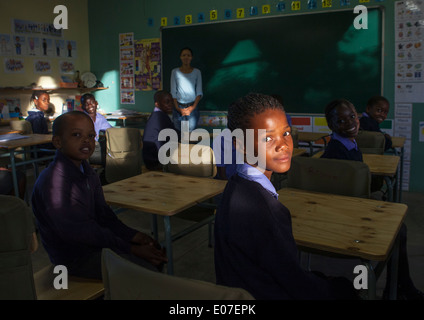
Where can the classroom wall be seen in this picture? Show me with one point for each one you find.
(107, 20)
(42, 11)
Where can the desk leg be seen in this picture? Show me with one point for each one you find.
(372, 280)
(401, 174)
(168, 244)
(389, 187)
(14, 175)
(394, 276)
(154, 227)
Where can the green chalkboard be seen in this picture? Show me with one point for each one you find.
(309, 59)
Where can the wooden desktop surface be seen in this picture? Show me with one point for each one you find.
(162, 193)
(398, 142)
(31, 140)
(381, 165)
(343, 225)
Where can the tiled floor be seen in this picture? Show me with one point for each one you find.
(193, 258)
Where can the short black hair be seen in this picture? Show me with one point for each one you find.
(37, 93)
(85, 97)
(186, 48)
(59, 123)
(160, 94)
(241, 111)
(375, 100)
(331, 112)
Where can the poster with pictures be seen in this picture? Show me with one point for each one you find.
(33, 46)
(5, 45)
(126, 58)
(127, 97)
(67, 67)
(42, 66)
(147, 64)
(13, 65)
(35, 28)
(409, 77)
(70, 49)
(19, 45)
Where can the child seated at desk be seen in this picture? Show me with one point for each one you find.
(343, 121)
(375, 113)
(36, 116)
(73, 218)
(255, 249)
(158, 120)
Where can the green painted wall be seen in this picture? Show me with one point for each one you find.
(108, 18)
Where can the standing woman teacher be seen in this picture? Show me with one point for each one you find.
(186, 90)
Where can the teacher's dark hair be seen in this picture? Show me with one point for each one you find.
(186, 48)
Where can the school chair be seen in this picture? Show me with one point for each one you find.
(343, 177)
(370, 142)
(123, 153)
(199, 161)
(21, 125)
(192, 160)
(125, 280)
(16, 273)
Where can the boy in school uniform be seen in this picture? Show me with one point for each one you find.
(343, 120)
(254, 244)
(375, 113)
(73, 218)
(158, 120)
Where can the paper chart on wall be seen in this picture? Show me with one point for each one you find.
(126, 60)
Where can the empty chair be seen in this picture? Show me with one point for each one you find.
(193, 160)
(343, 177)
(125, 280)
(17, 240)
(123, 153)
(370, 142)
(21, 125)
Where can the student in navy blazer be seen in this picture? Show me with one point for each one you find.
(375, 113)
(158, 120)
(343, 120)
(254, 245)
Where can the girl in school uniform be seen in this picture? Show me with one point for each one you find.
(343, 120)
(255, 248)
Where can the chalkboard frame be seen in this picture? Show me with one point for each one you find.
(170, 60)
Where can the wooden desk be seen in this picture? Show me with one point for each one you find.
(30, 140)
(124, 118)
(164, 194)
(311, 137)
(347, 226)
(386, 166)
(7, 130)
(398, 146)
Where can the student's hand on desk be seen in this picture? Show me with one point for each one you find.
(150, 253)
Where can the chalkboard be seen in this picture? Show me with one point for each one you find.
(308, 59)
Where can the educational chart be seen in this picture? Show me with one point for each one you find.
(37, 40)
(147, 64)
(126, 61)
(409, 73)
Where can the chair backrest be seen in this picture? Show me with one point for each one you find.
(123, 153)
(370, 142)
(193, 160)
(343, 177)
(16, 227)
(125, 280)
(21, 125)
(295, 136)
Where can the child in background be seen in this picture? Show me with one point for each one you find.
(158, 120)
(89, 104)
(343, 120)
(375, 113)
(41, 101)
(73, 218)
(254, 245)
